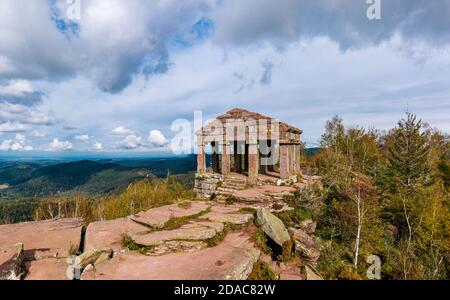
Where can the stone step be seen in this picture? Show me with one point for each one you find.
(226, 190)
(240, 181)
(235, 187)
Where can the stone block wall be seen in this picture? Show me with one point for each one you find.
(206, 184)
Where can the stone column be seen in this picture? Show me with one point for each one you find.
(215, 157)
(237, 157)
(225, 160)
(284, 162)
(253, 163)
(201, 159)
(297, 159)
(292, 159)
(264, 155)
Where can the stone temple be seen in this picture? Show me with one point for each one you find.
(246, 149)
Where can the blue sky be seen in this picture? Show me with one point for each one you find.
(116, 78)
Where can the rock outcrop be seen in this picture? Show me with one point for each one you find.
(308, 226)
(44, 239)
(305, 246)
(311, 275)
(93, 257)
(272, 226)
(196, 240)
(232, 259)
(12, 264)
(46, 245)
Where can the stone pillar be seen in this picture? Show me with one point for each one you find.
(292, 159)
(215, 157)
(297, 159)
(245, 159)
(237, 157)
(201, 159)
(253, 164)
(284, 162)
(225, 160)
(276, 154)
(265, 147)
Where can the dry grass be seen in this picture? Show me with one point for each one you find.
(139, 196)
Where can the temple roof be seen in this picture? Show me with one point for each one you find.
(242, 114)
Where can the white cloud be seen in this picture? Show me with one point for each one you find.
(132, 142)
(296, 55)
(57, 145)
(122, 131)
(281, 22)
(98, 146)
(156, 138)
(18, 144)
(37, 49)
(12, 127)
(82, 138)
(38, 134)
(24, 114)
(16, 88)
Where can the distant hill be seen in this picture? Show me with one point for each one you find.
(16, 173)
(85, 176)
(311, 151)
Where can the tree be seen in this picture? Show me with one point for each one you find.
(409, 152)
(334, 134)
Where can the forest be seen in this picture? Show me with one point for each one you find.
(384, 194)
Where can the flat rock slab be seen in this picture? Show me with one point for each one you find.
(232, 259)
(7, 253)
(227, 209)
(193, 231)
(235, 219)
(47, 269)
(158, 217)
(109, 234)
(44, 238)
(176, 247)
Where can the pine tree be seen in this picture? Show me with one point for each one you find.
(409, 152)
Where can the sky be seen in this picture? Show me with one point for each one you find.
(114, 76)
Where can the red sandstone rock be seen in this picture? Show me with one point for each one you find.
(233, 258)
(235, 219)
(302, 237)
(48, 269)
(193, 231)
(158, 217)
(12, 262)
(109, 234)
(45, 238)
